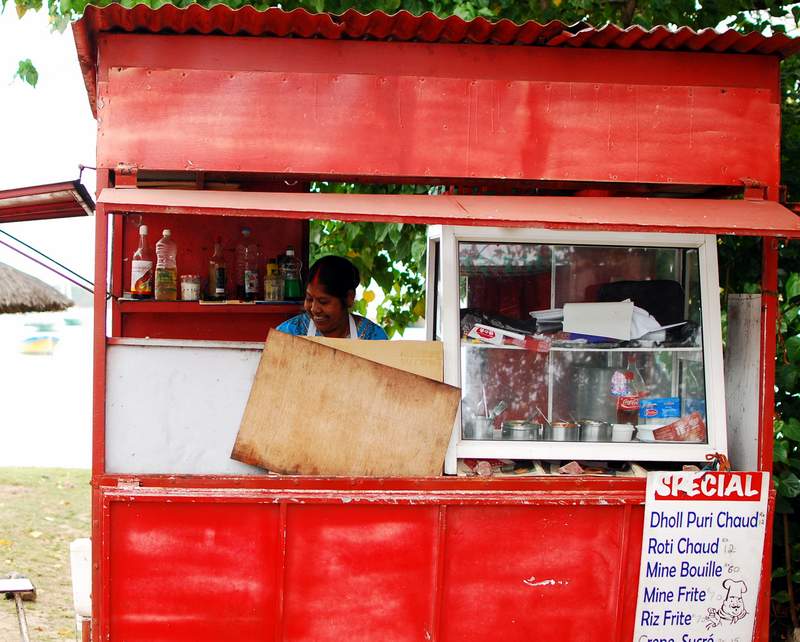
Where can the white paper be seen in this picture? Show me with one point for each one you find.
(611, 320)
(616, 320)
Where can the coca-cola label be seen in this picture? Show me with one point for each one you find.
(628, 402)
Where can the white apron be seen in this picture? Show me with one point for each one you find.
(312, 328)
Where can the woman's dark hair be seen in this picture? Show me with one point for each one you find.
(337, 275)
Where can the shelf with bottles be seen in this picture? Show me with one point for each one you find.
(149, 306)
(221, 253)
(216, 303)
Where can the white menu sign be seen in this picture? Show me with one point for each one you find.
(702, 548)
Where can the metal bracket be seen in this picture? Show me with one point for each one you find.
(125, 175)
(754, 190)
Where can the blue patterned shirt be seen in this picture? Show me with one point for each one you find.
(366, 329)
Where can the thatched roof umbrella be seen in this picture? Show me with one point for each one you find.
(20, 292)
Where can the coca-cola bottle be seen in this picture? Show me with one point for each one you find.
(629, 398)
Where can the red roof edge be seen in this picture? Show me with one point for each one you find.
(37, 202)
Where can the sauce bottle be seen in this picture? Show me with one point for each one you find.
(142, 268)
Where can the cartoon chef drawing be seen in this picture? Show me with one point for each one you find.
(732, 609)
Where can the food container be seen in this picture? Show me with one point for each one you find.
(482, 428)
(592, 430)
(645, 433)
(621, 432)
(521, 430)
(190, 287)
(561, 431)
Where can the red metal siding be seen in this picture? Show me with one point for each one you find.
(258, 565)
(359, 572)
(532, 572)
(195, 572)
(316, 566)
(395, 119)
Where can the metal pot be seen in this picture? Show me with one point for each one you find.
(592, 430)
(521, 430)
(590, 383)
(482, 428)
(562, 431)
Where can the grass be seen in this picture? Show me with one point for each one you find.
(41, 511)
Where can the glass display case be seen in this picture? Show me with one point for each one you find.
(578, 345)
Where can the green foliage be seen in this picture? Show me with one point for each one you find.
(27, 72)
(390, 255)
(786, 454)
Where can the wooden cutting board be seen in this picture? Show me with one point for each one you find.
(316, 410)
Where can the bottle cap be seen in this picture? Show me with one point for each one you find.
(290, 251)
(245, 231)
(167, 232)
(143, 229)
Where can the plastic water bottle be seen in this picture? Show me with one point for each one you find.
(292, 279)
(166, 268)
(247, 267)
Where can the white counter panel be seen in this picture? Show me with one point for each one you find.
(174, 407)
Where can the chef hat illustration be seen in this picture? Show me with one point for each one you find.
(735, 588)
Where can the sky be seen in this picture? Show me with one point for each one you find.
(45, 133)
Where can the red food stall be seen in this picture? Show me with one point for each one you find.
(572, 158)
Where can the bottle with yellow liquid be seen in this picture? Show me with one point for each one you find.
(166, 268)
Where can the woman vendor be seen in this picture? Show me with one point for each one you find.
(331, 290)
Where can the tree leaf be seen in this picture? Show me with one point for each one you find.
(788, 485)
(781, 597)
(781, 452)
(26, 72)
(792, 286)
(791, 429)
(793, 349)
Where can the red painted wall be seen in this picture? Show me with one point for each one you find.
(210, 567)
(406, 110)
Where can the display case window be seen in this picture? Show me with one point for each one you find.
(570, 342)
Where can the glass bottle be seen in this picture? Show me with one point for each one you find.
(142, 268)
(273, 282)
(166, 268)
(292, 279)
(217, 273)
(247, 273)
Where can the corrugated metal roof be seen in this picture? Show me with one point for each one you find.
(427, 27)
(403, 26)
